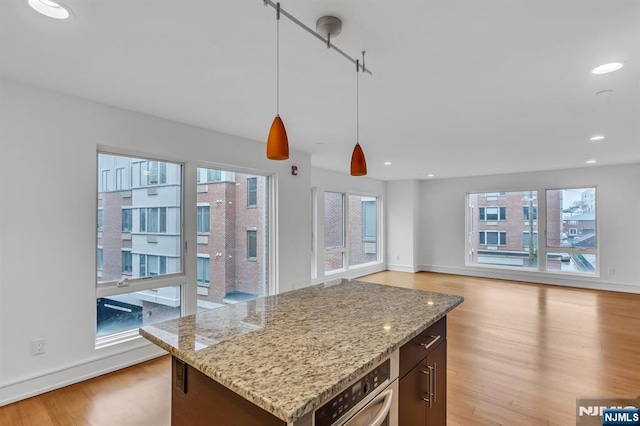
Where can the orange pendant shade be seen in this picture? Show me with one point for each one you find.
(277, 144)
(358, 163)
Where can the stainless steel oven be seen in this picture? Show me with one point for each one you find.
(370, 400)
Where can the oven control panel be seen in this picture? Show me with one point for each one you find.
(331, 411)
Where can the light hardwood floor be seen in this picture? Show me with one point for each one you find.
(519, 354)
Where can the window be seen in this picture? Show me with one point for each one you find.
(334, 231)
(497, 238)
(127, 220)
(119, 179)
(153, 220)
(100, 258)
(100, 218)
(105, 180)
(153, 173)
(526, 212)
(362, 229)
(493, 213)
(133, 257)
(203, 220)
(493, 238)
(526, 240)
(572, 230)
(127, 262)
(232, 241)
(204, 277)
(252, 192)
(214, 175)
(252, 245)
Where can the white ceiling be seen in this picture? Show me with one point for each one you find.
(460, 87)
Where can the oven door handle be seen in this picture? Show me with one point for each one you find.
(384, 411)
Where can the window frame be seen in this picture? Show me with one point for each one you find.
(252, 192)
(252, 234)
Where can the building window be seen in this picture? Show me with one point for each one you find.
(153, 220)
(119, 179)
(204, 270)
(100, 258)
(144, 301)
(493, 213)
(252, 245)
(493, 238)
(498, 238)
(127, 262)
(105, 180)
(369, 218)
(214, 175)
(526, 213)
(526, 241)
(153, 173)
(127, 220)
(203, 220)
(100, 219)
(572, 231)
(252, 192)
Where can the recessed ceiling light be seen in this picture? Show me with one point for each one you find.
(591, 161)
(387, 163)
(430, 175)
(596, 138)
(606, 68)
(50, 8)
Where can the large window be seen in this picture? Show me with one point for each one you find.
(499, 227)
(363, 229)
(334, 231)
(572, 244)
(503, 230)
(350, 230)
(153, 203)
(232, 249)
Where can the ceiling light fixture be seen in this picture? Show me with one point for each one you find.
(591, 161)
(50, 8)
(430, 175)
(358, 162)
(596, 138)
(607, 68)
(387, 163)
(277, 142)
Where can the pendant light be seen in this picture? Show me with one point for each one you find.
(277, 142)
(358, 162)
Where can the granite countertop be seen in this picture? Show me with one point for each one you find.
(288, 353)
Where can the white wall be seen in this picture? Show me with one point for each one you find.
(325, 180)
(47, 228)
(403, 225)
(443, 207)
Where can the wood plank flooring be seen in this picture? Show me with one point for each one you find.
(519, 354)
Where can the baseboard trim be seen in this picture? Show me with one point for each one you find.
(67, 375)
(551, 279)
(403, 268)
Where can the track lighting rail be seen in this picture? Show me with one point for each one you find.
(326, 41)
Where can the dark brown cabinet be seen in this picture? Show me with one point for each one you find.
(423, 378)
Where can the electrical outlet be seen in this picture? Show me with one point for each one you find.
(37, 347)
(612, 271)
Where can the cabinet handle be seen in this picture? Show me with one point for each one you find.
(431, 385)
(435, 383)
(427, 346)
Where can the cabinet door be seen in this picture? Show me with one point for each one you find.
(411, 405)
(436, 366)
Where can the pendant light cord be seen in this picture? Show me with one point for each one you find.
(278, 59)
(357, 101)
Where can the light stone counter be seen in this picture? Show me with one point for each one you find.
(288, 353)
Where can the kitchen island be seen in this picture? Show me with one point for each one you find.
(287, 354)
